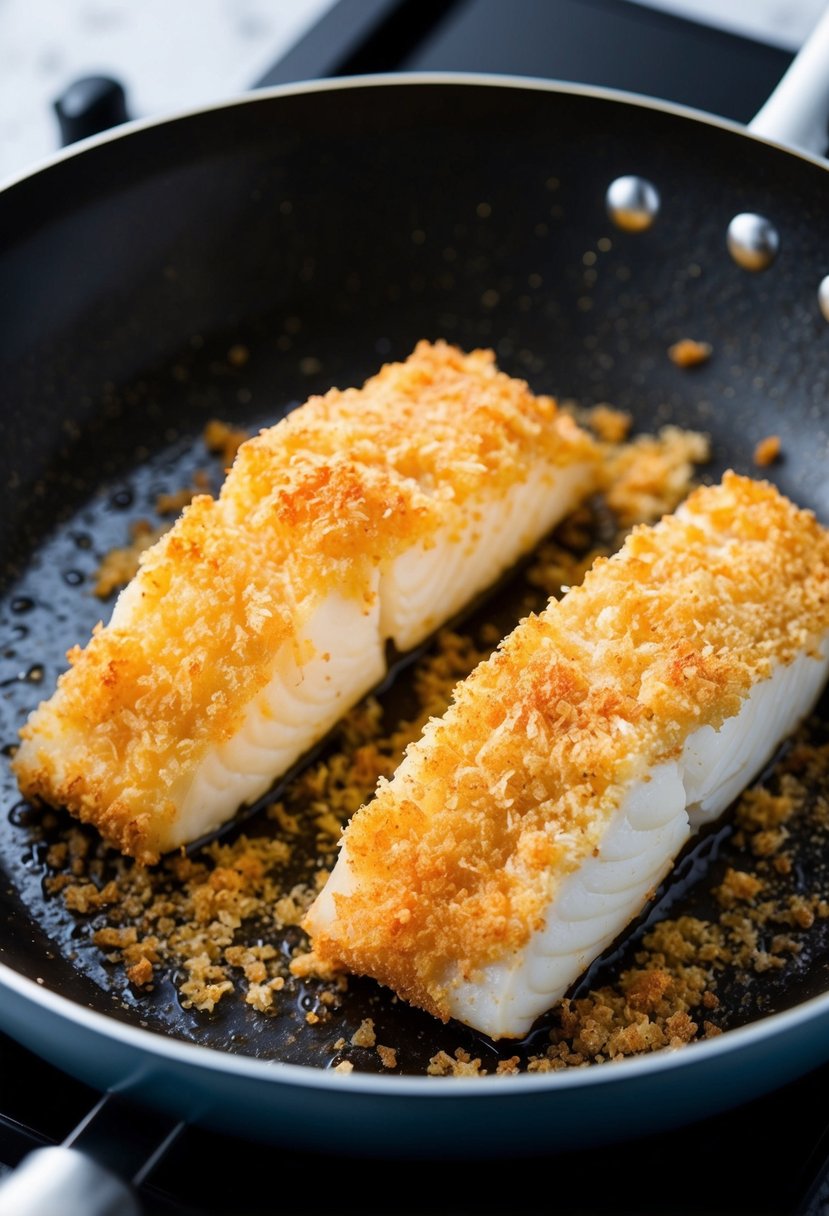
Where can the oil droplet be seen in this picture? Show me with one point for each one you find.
(35, 673)
(82, 539)
(8, 750)
(19, 814)
(73, 577)
(121, 499)
(22, 604)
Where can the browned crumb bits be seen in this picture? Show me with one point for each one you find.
(141, 973)
(223, 439)
(121, 565)
(364, 1036)
(687, 352)
(388, 1056)
(611, 425)
(172, 504)
(767, 451)
(652, 474)
(737, 887)
(459, 1065)
(206, 919)
(238, 355)
(87, 898)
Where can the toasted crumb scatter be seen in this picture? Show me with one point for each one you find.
(388, 1056)
(307, 965)
(87, 898)
(364, 1036)
(56, 855)
(213, 918)
(508, 1068)
(737, 887)
(238, 355)
(459, 1065)
(110, 937)
(223, 439)
(171, 504)
(611, 425)
(650, 476)
(689, 353)
(119, 566)
(767, 451)
(260, 996)
(141, 973)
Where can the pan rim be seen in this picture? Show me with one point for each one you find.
(194, 1055)
(403, 79)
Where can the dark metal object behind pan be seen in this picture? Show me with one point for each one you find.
(328, 228)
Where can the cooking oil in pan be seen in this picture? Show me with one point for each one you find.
(739, 930)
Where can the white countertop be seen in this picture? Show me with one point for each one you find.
(168, 54)
(783, 23)
(172, 54)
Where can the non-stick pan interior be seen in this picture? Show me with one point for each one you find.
(338, 226)
(324, 233)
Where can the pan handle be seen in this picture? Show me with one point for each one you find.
(64, 1180)
(87, 1174)
(797, 112)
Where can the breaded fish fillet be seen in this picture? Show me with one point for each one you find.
(364, 516)
(529, 825)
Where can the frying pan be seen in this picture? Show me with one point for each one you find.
(327, 227)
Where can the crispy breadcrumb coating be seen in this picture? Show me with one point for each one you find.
(516, 782)
(313, 505)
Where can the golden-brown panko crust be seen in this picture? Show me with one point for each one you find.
(316, 503)
(457, 857)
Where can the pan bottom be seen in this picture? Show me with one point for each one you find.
(200, 947)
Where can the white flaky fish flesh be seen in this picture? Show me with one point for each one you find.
(366, 516)
(527, 827)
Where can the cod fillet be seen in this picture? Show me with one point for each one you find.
(364, 517)
(527, 826)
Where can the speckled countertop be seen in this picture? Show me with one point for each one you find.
(171, 54)
(168, 54)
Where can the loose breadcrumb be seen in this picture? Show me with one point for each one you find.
(388, 1056)
(238, 355)
(611, 425)
(364, 1036)
(172, 504)
(737, 887)
(649, 477)
(223, 439)
(767, 451)
(141, 973)
(212, 923)
(689, 353)
(119, 566)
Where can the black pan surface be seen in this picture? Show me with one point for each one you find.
(327, 231)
